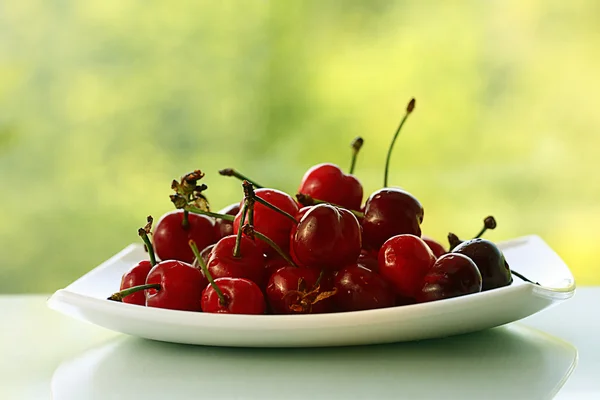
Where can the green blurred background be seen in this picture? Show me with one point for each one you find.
(103, 103)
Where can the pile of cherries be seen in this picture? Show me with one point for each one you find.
(323, 251)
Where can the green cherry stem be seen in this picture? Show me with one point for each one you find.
(275, 208)
(250, 197)
(409, 109)
(134, 289)
(238, 239)
(197, 210)
(250, 232)
(356, 144)
(308, 200)
(143, 232)
(236, 174)
(209, 277)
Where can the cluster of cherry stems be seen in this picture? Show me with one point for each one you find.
(321, 252)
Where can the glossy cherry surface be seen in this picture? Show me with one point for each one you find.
(250, 265)
(269, 222)
(242, 296)
(435, 246)
(368, 259)
(390, 212)
(136, 276)
(223, 227)
(181, 286)
(326, 237)
(490, 261)
(403, 261)
(171, 235)
(452, 275)
(327, 182)
(361, 289)
(293, 290)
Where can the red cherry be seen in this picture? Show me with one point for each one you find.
(269, 222)
(361, 289)
(368, 260)
(273, 264)
(390, 212)
(326, 237)
(136, 276)
(327, 182)
(171, 235)
(293, 290)
(452, 275)
(437, 249)
(241, 297)
(205, 254)
(223, 227)
(181, 286)
(404, 260)
(250, 265)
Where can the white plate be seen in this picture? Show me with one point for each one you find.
(85, 299)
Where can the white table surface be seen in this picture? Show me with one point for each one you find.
(47, 355)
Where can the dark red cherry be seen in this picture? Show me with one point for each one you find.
(241, 296)
(293, 290)
(490, 261)
(269, 222)
(404, 260)
(326, 237)
(273, 264)
(452, 275)
(435, 246)
(249, 265)
(361, 289)
(136, 276)
(390, 212)
(171, 235)
(327, 182)
(368, 259)
(223, 227)
(181, 286)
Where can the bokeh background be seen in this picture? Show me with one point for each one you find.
(104, 102)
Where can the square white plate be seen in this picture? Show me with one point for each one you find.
(85, 299)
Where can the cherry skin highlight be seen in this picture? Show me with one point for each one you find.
(181, 286)
(326, 237)
(452, 275)
(136, 276)
(327, 182)
(404, 260)
(242, 296)
(171, 235)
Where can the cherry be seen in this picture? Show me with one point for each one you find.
(229, 295)
(326, 237)
(390, 212)
(359, 288)
(224, 227)
(452, 275)
(205, 254)
(172, 233)
(488, 224)
(270, 222)
(404, 260)
(294, 290)
(435, 246)
(490, 261)
(250, 264)
(368, 260)
(180, 286)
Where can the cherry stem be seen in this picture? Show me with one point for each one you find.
(250, 232)
(488, 223)
(308, 200)
(250, 197)
(134, 289)
(197, 210)
(238, 240)
(409, 109)
(356, 144)
(209, 277)
(144, 235)
(234, 173)
(275, 208)
(523, 277)
(319, 278)
(186, 221)
(453, 240)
